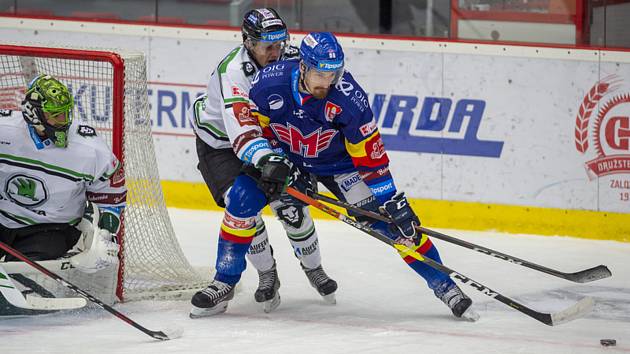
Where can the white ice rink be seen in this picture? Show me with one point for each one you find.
(382, 306)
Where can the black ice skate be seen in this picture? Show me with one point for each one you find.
(211, 300)
(267, 292)
(459, 303)
(324, 285)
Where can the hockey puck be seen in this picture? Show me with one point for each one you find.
(608, 342)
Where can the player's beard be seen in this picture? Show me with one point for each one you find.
(320, 92)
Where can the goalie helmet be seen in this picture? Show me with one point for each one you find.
(47, 107)
(263, 25)
(321, 51)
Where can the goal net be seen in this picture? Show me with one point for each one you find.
(110, 93)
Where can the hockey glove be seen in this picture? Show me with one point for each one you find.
(404, 220)
(302, 181)
(98, 247)
(274, 175)
(102, 253)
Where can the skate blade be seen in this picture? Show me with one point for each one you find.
(330, 298)
(199, 312)
(272, 304)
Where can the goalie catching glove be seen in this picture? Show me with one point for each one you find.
(404, 220)
(98, 247)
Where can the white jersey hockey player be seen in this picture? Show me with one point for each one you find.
(50, 170)
(229, 137)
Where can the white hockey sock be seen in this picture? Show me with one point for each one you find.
(259, 253)
(308, 251)
(300, 229)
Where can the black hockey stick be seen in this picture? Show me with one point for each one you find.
(583, 276)
(575, 311)
(155, 334)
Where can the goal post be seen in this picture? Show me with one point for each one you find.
(110, 93)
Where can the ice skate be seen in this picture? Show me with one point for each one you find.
(212, 300)
(267, 292)
(459, 303)
(324, 285)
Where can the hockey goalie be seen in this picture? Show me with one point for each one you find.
(61, 198)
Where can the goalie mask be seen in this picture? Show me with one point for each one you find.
(47, 107)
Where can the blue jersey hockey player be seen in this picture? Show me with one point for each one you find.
(317, 114)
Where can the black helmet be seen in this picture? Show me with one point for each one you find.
(264, 25)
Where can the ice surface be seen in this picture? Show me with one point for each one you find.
(382, 306)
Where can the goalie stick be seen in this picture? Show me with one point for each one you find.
(573, 312)
(161, 335)
(583, 276)
(16, 298)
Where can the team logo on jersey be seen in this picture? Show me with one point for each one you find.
(376, 150)
(307, 146)
(26, 191)
(368, 128)
(610, 131)
(331, 110)
(275, 101)
(248, 68)
(5, 113)
(243, 114)
(86, 131)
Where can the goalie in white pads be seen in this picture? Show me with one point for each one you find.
(50, 169)
(226, 137)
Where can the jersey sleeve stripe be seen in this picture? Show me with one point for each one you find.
(358, 150)
(204, 126)
(228, 101)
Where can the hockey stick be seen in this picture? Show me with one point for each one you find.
(154, 334)
(583, 276)
(575, 311)
(15, 297)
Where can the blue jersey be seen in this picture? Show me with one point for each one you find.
(334, 135)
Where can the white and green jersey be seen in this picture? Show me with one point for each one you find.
(222, 118)
(41, 183)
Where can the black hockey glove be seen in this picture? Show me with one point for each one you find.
(301, 180)
(404, 220)
(274, 175)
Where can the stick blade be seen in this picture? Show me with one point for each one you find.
(44, 303)
(589, 275)
(577, 310)
(168, 333)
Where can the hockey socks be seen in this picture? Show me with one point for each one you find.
(234, 239)
(433, 277)
(260, 252)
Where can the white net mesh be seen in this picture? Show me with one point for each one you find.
(153, 264)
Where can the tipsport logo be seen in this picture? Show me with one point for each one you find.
(603, 119)
(407, 124)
